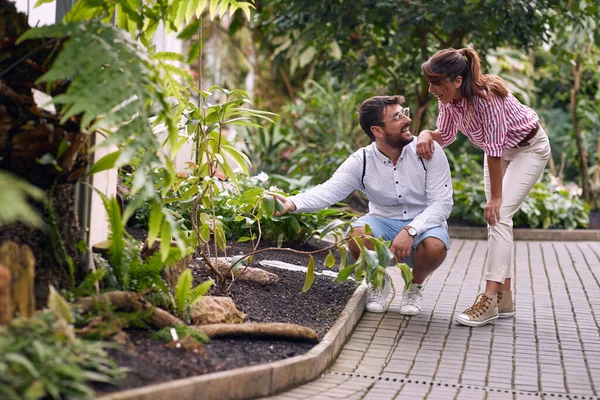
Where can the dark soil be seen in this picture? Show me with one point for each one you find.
(152, 362)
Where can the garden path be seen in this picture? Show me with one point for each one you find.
(550, 350)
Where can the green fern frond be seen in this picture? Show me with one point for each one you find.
(148, 276)
(116, 235)
(87, 288)
(154, 263)
(182, 291)
(113, 85)
(200, 290)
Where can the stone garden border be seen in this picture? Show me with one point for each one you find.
(563, 235)
(260, 380)
(276, 377)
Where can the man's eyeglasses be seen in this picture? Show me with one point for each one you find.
(396, 117)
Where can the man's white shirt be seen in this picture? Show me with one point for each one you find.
(414, 188)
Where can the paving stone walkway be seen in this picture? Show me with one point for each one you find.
(550, 350)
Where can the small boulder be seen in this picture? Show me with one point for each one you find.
(216, 310)
(242, 273)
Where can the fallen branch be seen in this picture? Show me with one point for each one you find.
(129, 301)
(259, 330)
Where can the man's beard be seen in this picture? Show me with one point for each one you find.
(397, 142)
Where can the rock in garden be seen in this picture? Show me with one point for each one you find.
(216, 310)
(247, 273)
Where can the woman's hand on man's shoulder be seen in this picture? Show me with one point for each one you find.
(425, 145)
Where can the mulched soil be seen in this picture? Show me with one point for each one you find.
(152, 362)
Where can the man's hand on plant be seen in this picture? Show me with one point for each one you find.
(402, 245)
(288, 205)
(425, 145)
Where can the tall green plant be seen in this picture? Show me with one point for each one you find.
(119, 86)
(126, 269)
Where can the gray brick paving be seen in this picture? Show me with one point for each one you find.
(551, 349)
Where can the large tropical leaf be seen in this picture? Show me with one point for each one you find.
(113, 86)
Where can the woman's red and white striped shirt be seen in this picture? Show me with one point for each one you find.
(493, 125)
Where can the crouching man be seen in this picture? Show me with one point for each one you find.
(409, 198)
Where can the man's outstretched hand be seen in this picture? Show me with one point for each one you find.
(288, 205)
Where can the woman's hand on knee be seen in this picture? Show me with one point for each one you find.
(491, 211)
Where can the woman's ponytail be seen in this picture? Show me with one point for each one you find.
(451, 63)
(484, 84)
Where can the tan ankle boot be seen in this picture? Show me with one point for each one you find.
(506, 307)
(483, 311)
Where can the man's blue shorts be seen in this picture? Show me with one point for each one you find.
(388, 229)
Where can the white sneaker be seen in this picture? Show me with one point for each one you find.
(411, 300)
(377, 299)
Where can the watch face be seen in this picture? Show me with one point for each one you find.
(412, 231)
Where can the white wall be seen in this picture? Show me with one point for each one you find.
(169, 42)
(105, 182)
(42, 15)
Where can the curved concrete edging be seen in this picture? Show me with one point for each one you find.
(260, 380)
(564, 235)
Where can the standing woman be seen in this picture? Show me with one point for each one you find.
(516, 152)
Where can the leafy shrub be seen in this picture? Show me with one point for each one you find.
(40, 357)
(553, 207)
(270, 148)
(245, 211)
(469, 200)
(239, 215)
(548, 205)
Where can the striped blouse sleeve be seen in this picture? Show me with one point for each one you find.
(494, 125)
(446, 124)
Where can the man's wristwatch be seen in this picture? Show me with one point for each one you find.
(411, 231)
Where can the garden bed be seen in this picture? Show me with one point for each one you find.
(152, 362)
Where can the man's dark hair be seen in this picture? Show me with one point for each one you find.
(370, 112)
